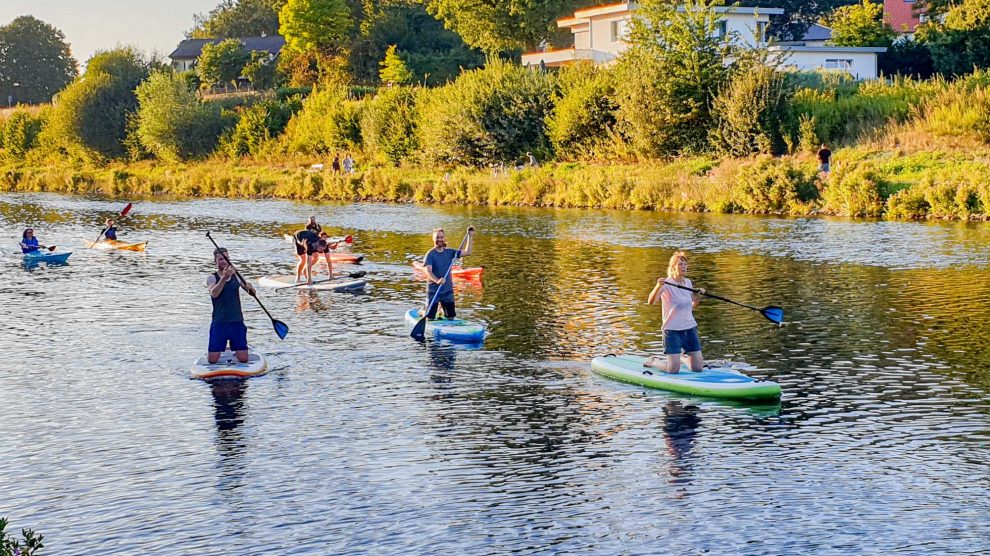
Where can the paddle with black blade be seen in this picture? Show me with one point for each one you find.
(772, 313)
(419, 331)
(123, 213)
(280, 327)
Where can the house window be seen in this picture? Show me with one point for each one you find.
(761, 32)
(838, 63)
(722, 28)
(618, 31)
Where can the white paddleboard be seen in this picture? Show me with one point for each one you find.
(229, 367)
(319, 283)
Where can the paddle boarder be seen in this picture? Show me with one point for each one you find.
(312, 225)
(680, 330)
(29, 243)
(435, 263)
(309, 246)
(227, 325)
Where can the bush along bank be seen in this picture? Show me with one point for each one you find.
(946, 184)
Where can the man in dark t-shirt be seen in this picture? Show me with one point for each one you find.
(824, 158)
(437, 262)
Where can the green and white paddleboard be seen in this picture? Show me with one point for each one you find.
(721, 381)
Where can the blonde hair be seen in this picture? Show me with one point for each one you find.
(676, 258)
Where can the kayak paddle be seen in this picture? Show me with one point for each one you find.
(280, 327)
(772, 313)
(354, 275)
(123, 213)
(419, 330)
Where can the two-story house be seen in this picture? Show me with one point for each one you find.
(600, 34)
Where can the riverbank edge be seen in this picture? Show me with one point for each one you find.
(938, 184)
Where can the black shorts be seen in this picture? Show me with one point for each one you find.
(308, 250)
(448, 308)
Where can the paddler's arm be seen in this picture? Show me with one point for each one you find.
(430, 275)
(655, 294)
(468, 244)
(696, 297)
(326, 257)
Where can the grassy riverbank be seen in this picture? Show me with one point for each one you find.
(877, 180)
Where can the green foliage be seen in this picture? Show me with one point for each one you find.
(35, 57)
(963, 109)
(328, 122)
(961, 42)
(751, 112)
(222, 62)
(315, 25)
(486, 116)
(257, 125)
(172, 123)
(238, 18)
(769, 185)
(19, 133)
(394, 70)
(582, 125)
(669, 76)
(261, 70)
(856, 189)
(388, 124)
(501, 26)
(908, 57)
(10, 546)
(798, 15)
(860, 25)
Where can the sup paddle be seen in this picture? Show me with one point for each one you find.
(419, 330)
(280, 327)
(123, 213)
(772, 313)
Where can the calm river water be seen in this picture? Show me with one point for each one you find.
(362, 441)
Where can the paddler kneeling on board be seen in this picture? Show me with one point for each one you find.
(436, 263)
(309, 246)
(228, 320)
(680, 330)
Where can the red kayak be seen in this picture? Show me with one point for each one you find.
(470, 273)
(341, 257)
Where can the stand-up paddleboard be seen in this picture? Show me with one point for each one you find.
(114, 245)
(458, 272)
(229, 367)
(338, 257)
(36, 257)
(456, 330)
(319, 283)
(721, 381)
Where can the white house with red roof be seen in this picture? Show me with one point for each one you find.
(600, 34)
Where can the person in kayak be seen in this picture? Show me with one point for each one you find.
(227, 325)
(29, 243)
(111, 231)
(680, 330)
(309, 246)
(435, 263)
(312, 225)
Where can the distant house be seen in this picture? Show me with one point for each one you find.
(600, 34)
(185, 55)
(904, 16)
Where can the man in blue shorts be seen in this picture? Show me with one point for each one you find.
(437, 261)
(228, 320)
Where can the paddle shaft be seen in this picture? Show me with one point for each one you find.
(420, 328)
(713, 296)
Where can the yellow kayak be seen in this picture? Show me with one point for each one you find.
(114, 245)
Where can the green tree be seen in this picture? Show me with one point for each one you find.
(91, 113)
(173, 124)
(751, 111)
(388, 124)
(582, 125)
(394, 70)
(261, 70)
(35, 61)
(961, 42)
(499, 26)
(798, 15)
(670, 74)
(238, 18)
(860, 25)
(316, 25)
(222, 62)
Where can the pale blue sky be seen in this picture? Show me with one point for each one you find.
(91, 25)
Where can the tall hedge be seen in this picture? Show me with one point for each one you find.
(388, 124)
(173, 124)
(584, 115)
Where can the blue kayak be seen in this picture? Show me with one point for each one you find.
(36, 257)
(455, 330)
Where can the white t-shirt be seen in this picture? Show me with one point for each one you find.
(677, 306)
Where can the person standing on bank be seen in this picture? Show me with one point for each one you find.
(228, 320)
(437, 261)
(680, 330)
(335, 165)
(824, 160)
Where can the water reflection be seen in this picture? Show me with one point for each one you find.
(229, 412)
(680, 427)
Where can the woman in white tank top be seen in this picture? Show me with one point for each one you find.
(680, 330)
